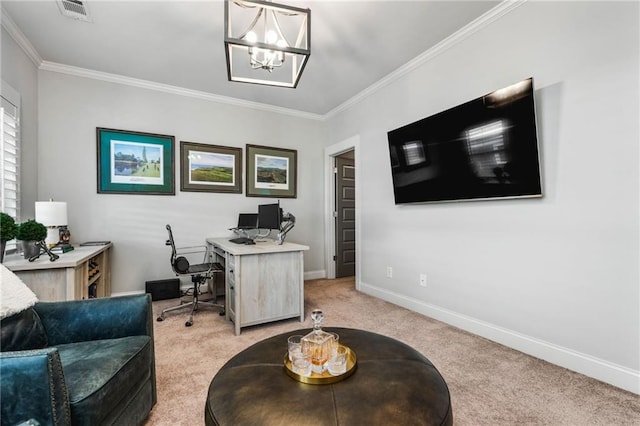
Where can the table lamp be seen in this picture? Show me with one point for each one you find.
(53, 215)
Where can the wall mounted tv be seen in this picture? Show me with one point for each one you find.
(483, 149)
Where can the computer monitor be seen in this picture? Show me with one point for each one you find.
(269, 216)
(247, 221)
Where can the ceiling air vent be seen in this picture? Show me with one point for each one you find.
(75, 9)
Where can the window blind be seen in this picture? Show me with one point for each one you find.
(10, 156)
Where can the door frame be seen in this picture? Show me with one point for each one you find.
(352, 143)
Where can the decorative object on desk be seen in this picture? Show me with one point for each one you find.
(135, 162)
(64, 235)
(210, 168)
(95, 243)
(61, 248)
(43, 248)
(7, 232)
(30, 233)
(271, 172)
(53, 215)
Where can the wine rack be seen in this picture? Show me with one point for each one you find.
(96, 280)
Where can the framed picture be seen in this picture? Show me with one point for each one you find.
(134, 162)
(210, 168)
(271, 172)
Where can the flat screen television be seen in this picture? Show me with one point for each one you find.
(269, 216)
(486, 148)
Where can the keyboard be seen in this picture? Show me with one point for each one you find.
(240, 240)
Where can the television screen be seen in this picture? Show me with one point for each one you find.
(269, 216)
(485, 148)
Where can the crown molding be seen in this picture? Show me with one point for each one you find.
(457, 37)
(20, 38)
(174, 90)
(495, 13)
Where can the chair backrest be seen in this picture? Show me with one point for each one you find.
(171, 243)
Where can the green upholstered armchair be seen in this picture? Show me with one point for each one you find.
(85, 362)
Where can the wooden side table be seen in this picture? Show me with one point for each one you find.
(82, 273)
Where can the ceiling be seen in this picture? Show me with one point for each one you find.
(354, 44)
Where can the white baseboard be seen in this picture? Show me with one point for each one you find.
(616, 375)
(315, 275)
(127, 293)
(311, 275)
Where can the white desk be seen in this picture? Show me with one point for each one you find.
(72, 276)
(264, 282)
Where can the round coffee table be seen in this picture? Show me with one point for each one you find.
(393, 384)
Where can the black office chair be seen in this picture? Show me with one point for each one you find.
(199, 273)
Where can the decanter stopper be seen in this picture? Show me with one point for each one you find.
(317, 316)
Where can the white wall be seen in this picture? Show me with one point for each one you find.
(22, 75)
(557, 277)
(71, 108)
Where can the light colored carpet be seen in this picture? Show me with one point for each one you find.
(489, 384)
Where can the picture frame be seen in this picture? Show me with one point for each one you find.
(271, 172)
(131, 162)
(210, 168)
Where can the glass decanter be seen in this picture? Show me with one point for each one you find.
(319, 343)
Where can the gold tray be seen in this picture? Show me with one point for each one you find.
(325, 378)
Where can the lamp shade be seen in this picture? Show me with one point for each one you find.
(51, 213)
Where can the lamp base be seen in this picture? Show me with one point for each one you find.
(53, 236)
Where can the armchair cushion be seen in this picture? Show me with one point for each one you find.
(22, 331)
(100, 372)
(98, 368)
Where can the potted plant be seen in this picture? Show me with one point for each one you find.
(30, 233)
(7, 232)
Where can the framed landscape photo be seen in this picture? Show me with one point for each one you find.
(210, 168)
(271, 172)
(135, 162)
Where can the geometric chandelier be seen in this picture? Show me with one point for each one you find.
(266, 43)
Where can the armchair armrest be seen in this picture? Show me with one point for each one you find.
(33, 387)
(94, 319)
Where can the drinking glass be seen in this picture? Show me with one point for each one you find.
(335, 343)
(338, 362)
(301, 363)
(294, 345)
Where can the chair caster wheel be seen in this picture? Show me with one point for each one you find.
(159, 319)
(188, 323)
(221, 313)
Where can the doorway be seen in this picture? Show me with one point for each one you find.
(345, 213)
(335, 154)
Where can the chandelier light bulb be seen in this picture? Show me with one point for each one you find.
(251, 37)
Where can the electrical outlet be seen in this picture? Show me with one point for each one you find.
(423, 280)
(389, 272)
